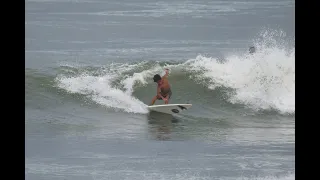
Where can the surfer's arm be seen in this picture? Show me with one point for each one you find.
(166, 74)
(159, 93)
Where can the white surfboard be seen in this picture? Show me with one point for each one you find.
(170, 108)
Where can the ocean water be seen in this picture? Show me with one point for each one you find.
(88, 81)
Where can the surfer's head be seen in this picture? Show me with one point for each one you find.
(252, 50)
(156, 78)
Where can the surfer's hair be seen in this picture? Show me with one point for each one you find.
(156, 78)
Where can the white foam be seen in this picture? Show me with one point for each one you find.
(265, 80)
(100, 89)
(139, 77)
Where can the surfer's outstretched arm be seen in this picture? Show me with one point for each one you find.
(166, 74)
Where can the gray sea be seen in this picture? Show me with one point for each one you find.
(88, 81)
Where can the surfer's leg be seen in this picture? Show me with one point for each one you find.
(166, 97)
(154, 99)
(169, 96)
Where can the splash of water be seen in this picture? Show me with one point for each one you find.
(264, 80)
(100, 89)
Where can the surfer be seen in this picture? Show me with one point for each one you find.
(252, 50)
(163, 89)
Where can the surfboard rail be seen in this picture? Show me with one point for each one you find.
(170, 108)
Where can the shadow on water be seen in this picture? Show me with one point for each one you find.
(164, 127)
(161, 125)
